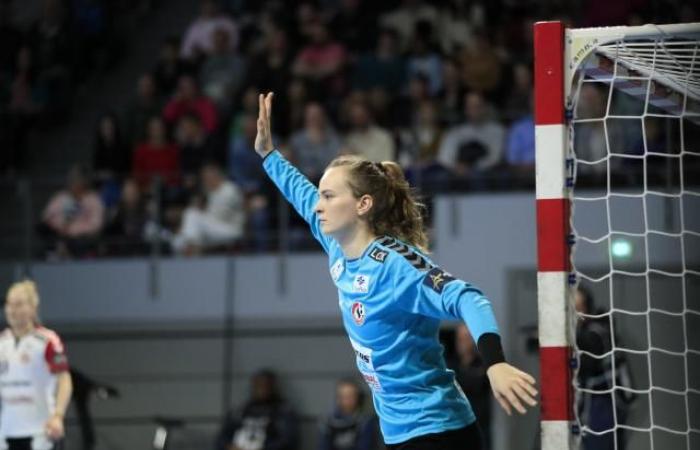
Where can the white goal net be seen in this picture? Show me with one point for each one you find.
(633, 130)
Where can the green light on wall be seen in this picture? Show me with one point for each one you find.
(621, 248)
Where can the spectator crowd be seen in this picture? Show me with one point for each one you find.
(444, 88)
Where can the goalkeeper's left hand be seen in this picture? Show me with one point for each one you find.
(512, 387)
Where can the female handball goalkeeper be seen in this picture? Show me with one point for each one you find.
(392, 298)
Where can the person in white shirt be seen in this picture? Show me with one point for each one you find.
(35, 383)
(220, 222)
(475, 147)
(199, 38)
(366, 138)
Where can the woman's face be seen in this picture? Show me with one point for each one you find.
(347, 398)
(107, 127)
(337, 208)
(156, 129)
(19, 311)
(130, 193)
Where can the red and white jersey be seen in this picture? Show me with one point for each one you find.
(28, 368)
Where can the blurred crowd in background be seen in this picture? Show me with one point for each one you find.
(443, 87)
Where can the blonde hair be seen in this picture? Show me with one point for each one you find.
(28, 287)
(395, 212)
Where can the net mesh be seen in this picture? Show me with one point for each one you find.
(634, 154)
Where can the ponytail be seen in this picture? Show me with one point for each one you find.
(395, 211)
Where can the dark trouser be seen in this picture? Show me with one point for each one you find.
(19, 444)
(22, 444)
(601, 418)
(467, 438)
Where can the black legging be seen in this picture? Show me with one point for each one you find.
(467, 438)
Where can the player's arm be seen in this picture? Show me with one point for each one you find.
(58, 365)
(438, 294)
(64, 390)
(295, 187)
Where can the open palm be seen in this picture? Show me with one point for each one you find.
(263, 140)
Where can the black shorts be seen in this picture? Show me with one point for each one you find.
(22, 444)
(467, 438)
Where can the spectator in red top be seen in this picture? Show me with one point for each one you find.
(188, 99)
(156, 156)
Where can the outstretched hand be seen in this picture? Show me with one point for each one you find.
(263, 140)
(512, 387)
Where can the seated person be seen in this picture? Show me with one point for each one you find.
(266, 421)
(220, 222)
(74, 216)
(348, 427)
(127, 221)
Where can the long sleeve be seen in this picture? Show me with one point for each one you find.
(436, 293)
(298, 190)
(286, 434)
(493, 136)
(228, 429)
(448, 149)
(53, 213)
(90, 219)
(368, 435)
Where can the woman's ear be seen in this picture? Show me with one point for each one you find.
(364, 204)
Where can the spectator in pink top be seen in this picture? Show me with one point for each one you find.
(199, 38)
(188, 100)
(74, 216)
(322, 61)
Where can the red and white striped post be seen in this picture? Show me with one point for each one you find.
(553, 262)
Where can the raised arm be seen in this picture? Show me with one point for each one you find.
(295, 187)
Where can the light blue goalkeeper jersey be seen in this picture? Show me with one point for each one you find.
(392, 299)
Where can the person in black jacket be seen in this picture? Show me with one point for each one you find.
(600, 411)
(266, 421)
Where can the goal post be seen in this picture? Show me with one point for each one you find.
(553, 263)
(617, 133)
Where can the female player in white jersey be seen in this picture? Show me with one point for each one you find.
(392, 298)
(35, 385)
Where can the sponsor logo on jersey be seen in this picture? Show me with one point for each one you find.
(372, 381)
(378, 255)
(361, 284)
(337, 269)
(366, 366)
(436, 279)
(364, 356)
(358, 313)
